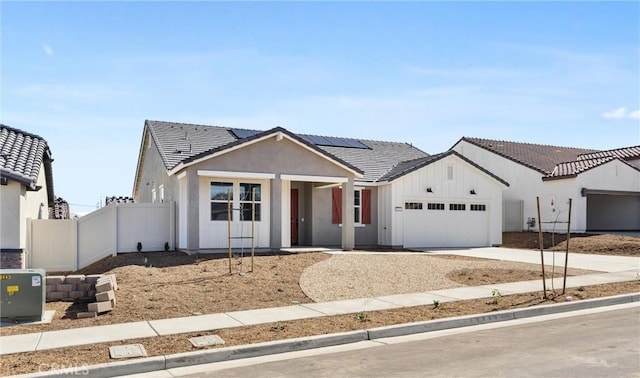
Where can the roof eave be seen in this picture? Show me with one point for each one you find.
(141, 153)
(551, 178)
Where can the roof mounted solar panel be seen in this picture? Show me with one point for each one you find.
(333, 141)
(243, 133)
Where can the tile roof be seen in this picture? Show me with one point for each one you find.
(542, 158)
(573, 168)
(195, 141)
(625, 153)
(21, 155)
(180, 141)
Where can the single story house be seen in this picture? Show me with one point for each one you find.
(604, 185)
(313, 190)
(26, 190)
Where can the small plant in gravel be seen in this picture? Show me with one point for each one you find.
(279, 326)
(362, 316)
(496, 295)
(436, 304)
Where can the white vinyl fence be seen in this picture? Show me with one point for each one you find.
(69, 245)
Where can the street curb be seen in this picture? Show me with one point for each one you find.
(262, 349)
(144, 365)
(470, 320)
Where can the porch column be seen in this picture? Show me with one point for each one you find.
(348, 223)
(276, 213)
(193, 210)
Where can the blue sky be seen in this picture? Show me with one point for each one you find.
(85, 75)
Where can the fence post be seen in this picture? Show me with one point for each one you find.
(115, 229)
(75, 241)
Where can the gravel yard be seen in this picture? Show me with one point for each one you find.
(350, 276)
(164, 285)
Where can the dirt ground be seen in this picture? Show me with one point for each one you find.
(164, 285)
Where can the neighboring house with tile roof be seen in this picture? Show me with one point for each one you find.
(313, 190)
(604, 185)
(26, 189)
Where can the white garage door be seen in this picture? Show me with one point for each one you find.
(445, 224)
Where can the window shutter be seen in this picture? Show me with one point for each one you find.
(336, 206)
(366, 206)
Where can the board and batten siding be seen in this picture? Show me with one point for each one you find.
(215, 234)
(412, 188)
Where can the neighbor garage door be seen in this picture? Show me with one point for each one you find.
(613, 211)
(445, 224)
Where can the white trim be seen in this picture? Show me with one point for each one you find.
(308, 178)
(240, 175)
(271, 135)
(182, 175)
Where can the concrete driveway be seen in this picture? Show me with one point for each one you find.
(600, 263)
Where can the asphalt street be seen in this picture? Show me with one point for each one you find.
(602, 343)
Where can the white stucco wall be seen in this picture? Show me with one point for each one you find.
(412, 187)
(16, 206)
(526, 184)
(613, 176)
(11, 197)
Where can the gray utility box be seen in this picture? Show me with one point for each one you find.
(23, 294)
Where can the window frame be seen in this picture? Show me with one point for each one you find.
(224, 201)
(357, 207)
(244, 199)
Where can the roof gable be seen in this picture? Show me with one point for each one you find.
(406, 167)
(542, 158)
(278, 132)
(180, 143)
(574, 168)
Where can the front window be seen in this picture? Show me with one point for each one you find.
(221, 194)
(357, 206)
(250, 196)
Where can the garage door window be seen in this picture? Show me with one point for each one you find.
(413, 205)
(457, 206)
(475, 207)
(435, 206)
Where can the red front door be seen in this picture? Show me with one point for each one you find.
(294, 216)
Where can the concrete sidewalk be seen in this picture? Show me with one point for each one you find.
(616, 268)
